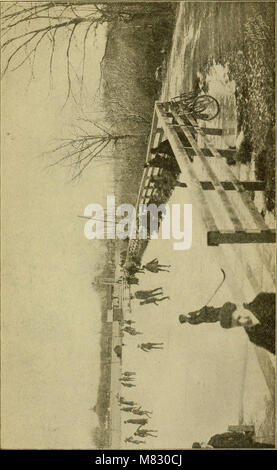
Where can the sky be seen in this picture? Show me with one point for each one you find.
(50, 312)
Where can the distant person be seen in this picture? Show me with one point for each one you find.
(127, 402)
(168, 164)
(153, 300)
(118, 350)
(132, 280)
(127, 409)
(134, 441)
(127, 379)
(131, 331)
(132, 268)
(139, 411)
(139, 421)
(127, 384)
(231, 440)
(145, 294)
(154, 266)
(145, 432)
(148, 346)
(163, 147)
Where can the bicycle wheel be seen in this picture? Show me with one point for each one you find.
(185, 97)
(206, 104)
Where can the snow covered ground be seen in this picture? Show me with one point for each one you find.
(205, 378)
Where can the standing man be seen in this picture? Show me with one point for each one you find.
(153, 300)
(134, 441)
(131, 331)
(145, 294)
(155, 267)
(126, 379)
(127, 409)
(127, 384)
(139, 421)
(140, 412)
(148, 346)
(145, 432)
(127, 402)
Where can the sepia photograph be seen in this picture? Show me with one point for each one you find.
(138, 229)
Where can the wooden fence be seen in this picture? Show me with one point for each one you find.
(168, 123)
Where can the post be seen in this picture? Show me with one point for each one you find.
(212, 131)
(246, 236)
(229, 186)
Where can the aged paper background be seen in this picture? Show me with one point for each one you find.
(50, 319)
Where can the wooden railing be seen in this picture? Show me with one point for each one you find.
(168, 123)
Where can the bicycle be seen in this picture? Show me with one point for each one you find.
(203, 107)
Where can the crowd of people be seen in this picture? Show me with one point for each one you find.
(257, 317)
(129, 406)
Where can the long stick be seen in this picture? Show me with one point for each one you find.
(217, 289)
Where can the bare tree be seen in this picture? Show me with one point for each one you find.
(25, 28)
(86, 145)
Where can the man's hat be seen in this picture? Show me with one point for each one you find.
(182, 318)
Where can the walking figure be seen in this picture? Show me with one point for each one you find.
(145, 432)
(153, 300)
(131, 331)
(126, 379)
(139, 421)
(140, 412)
(127, 409)
(134, 441)
(148, 346)
(127, 384)
(132, 268)
(146, 294)
(127, 402)
(155, 267)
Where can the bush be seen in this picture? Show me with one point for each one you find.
(244, 153)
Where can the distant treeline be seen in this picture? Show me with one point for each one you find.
(99, 434)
